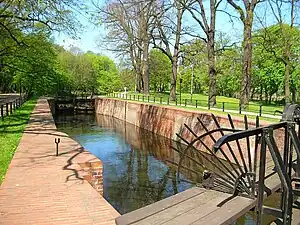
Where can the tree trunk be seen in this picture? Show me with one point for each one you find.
(287, 57)
(173, 79)
(176, 53)
(247, 61)
(212, 93)
(146, 66)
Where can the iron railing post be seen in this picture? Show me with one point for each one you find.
(260, 110)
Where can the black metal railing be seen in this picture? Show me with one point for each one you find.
(240, 160)
(223, 106)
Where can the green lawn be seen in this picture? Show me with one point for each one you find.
(201, 100)
(11, 129)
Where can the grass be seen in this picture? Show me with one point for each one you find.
(11, 129)
(227, 102)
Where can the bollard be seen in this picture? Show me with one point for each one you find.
(134, 97)
(176, 101)
(6, 109)
(168, 101)
(57, 141)
(11, 107)
(184, 102)
(196, 103)
(240, 108)
(148, 98)
(223, 106)
(208, 106)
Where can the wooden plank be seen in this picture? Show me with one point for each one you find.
(229, 212)
(296, 216)
(175, 212)
(156, 207)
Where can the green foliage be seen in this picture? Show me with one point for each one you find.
(269, 61)
(89, 72)
(11, 129)
(229, 72)
(160, 69)
(128, 77)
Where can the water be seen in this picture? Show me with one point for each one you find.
(136, 168)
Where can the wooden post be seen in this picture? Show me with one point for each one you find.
(2, 115)
(6, 109)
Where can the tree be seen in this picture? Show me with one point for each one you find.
(166, 36)
(128, 22)
(207, 21)
(285, 30)
(270, 61)
(246, 13)
(159, 69)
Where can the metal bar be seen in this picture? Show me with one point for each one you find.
(261, 182)
(248, 144)
(260, 110)
(255, 156)
(190, 145)
(238, 144)
(242, 134)
(229, 147)
(206, 158)
(284, 178)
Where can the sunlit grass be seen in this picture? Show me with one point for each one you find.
(11, 129)
(202, 100)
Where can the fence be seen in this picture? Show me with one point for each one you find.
(8, 108)
(255, 109)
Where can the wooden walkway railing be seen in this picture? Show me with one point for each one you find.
(8, 107)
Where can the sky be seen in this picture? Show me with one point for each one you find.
(89, 38)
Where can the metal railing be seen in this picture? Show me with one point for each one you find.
(257, 109)
(245, 170)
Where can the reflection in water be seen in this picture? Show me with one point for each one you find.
(136, 168)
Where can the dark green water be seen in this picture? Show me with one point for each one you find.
(137, 168)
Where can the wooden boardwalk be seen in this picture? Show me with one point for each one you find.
(201, 206)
